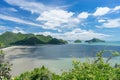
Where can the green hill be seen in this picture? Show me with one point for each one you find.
(28, 41)
(9, 38)
(77, 41)
(94, 40)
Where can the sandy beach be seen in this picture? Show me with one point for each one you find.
(22, 62)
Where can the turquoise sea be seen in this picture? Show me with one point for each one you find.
(57, 58)
(108, 43)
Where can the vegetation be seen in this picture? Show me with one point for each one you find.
(56, 41)
(38, 74)
(9, 38)
(77, 41)
(94, 40)
(5, 67)
(95, 70)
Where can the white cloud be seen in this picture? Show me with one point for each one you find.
(76, 34)
(101, 11)
(116, 8)
(50, 17)
(113, 23)
(83, 15)
(101, 20)
(8, 9)
(54, 18)
(12, 9)
(58, 18)
(33, 7)
(17, 30)
(3, 28)
(18, 20)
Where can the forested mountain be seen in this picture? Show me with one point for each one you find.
(9, 38)
(94, 40)
(77, 41)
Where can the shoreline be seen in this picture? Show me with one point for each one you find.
(26, 58)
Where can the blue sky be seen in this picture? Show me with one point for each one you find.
(65, 19)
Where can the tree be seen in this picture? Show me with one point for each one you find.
(5, 67)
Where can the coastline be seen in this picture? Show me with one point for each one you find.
(23, 64)
(26, 58)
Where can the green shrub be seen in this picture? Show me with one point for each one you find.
(5, 68)
(38, 74)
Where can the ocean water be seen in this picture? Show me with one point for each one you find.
(108, 43)
(57, 58)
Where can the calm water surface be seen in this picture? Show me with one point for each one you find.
(56, 57)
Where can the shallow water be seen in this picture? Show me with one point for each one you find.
(57, 58)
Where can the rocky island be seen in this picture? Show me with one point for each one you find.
(94, 40)
(77, 41)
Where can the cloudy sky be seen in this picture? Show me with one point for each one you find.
(66, 19)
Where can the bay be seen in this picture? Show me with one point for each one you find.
(57, 58)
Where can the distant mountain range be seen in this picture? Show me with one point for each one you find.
(9, 38)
